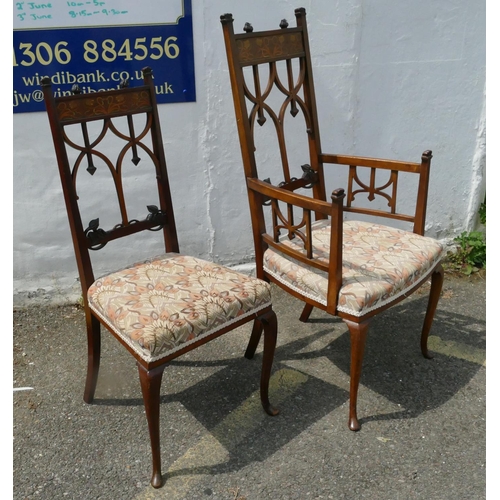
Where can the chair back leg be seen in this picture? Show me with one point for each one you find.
(254, 338)
(306, 312)
(150, 385)
(436, 286)
(93, 355)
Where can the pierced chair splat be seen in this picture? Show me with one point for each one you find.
(350, 268)
(164, 305)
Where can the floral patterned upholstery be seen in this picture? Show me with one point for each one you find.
(161, 305)
(379, 264)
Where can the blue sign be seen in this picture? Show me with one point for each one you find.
(93, 44)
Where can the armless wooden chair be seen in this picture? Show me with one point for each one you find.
(351, 269)
(166, 305)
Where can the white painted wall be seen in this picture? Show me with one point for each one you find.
(392, 80)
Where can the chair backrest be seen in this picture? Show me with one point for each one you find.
(113, 147)
(283, 54)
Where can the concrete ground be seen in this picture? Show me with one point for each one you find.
(423, 423)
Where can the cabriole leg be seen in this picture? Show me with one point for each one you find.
(436, 286)
(358, 333)
(270, 323)
(150, 385)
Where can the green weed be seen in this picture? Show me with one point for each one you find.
(482, 212)
(471, 253)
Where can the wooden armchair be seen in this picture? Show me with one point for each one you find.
(351, 269)
(166, 305)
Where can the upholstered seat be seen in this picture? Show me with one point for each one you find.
(167, 303)
(379, 265)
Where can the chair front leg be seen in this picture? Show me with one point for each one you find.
(93, 355)
(270, 324)
(150, 385)
(436, 286)
(358, 333)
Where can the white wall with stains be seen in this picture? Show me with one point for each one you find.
(392, 80)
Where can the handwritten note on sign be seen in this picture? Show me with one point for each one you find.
(80, 13)
(96, 44)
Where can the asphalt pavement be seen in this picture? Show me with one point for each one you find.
(423, 421)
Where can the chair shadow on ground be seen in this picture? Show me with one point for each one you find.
(393, 367)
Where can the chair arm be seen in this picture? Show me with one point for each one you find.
(282, 194)
(265, 192)
(360, 161)
(422, 169)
